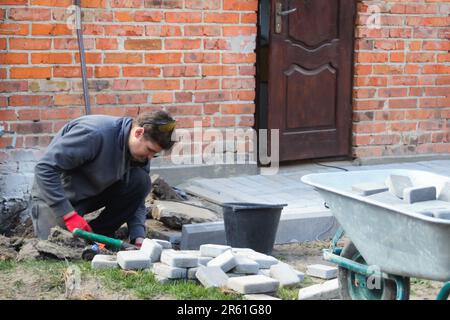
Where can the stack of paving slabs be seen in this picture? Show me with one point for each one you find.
(240, 269)
(400, 191)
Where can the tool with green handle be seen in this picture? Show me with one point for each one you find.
(107, 241)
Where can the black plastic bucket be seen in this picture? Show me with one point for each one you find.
(251, 225)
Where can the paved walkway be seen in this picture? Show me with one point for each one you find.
(286, 186)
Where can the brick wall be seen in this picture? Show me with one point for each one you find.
(193, 58)
(402, 78)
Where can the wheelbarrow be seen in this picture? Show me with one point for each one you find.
(391, 240)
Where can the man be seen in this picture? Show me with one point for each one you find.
(94, 162)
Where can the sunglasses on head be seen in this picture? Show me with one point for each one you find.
(162, 126)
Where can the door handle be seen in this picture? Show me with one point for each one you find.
(285, 13)
(279, 13)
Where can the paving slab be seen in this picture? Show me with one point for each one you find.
(253, 284)
(324, 291)
(226, 261)
(104, 261)
(211, 276)
(179, 259)
(213, 250)
(322, 271)
(418, 194)
(165, 271)
(152, 249)
(134, 259)
(285, 274)
(245, 265)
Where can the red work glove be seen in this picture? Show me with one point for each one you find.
(138, 242)
(75, 221)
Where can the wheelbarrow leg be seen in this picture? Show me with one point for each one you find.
(444, 292)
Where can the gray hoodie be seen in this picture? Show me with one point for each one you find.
(86, 156)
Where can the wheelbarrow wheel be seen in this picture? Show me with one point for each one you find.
(353, 286)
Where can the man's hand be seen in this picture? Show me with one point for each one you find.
(138, 242)
(74, 221)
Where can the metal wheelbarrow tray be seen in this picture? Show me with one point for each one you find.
(389, 233)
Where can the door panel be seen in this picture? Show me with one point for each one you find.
(310, 77)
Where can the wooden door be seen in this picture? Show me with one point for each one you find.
(310, 77)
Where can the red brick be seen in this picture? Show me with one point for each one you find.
(105, 99)
(52, 3)
(30, 101)
(125, 3)
(183, 97)
(70, 72)
(14, 29)
(183, 17)
(13, 2)
(162, 97)
(13, 86)
(231, 58)
(239, 31)
(392, 92)
(124, 30)
(32, 127)
(69, 100)
(403, 103)
(72, 44)
(8, 115)
(212, 96)
(90, 58)
(240, 5)
(13, 58)
(50, 30)
(106, 44)
(225, 18)
(219, 70)
(202, 4)
(128, 85)
(31, 73)
(237, 83)
(224, 121)
(201, 57)
(51, 58)
(182, 44)
(93, 3)
(61, 113)
(148, 16)
(185, 110)
(237, 108)
(216, 44)
(162, 58)
(141, 71)
(29, 14)
(162, 84)
(29, 44)
(168, 31)
(153, 44)
(202, 30)
(202, 84)
(123, 16)
(107, 71)
(123, 58)
(181, 71)
(133, 98)
(211, 108)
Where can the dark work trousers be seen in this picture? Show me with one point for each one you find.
(121, 201)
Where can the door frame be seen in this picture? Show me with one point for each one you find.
(261, 99)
